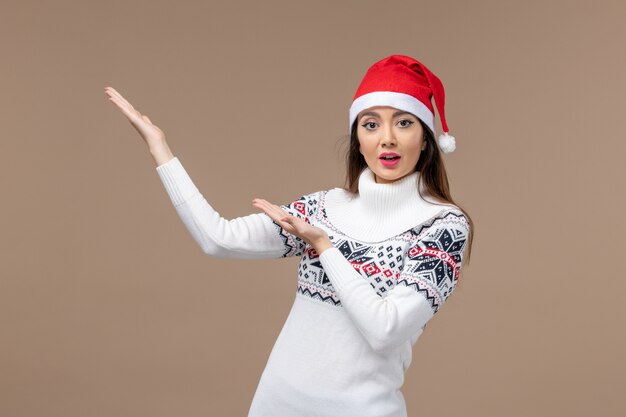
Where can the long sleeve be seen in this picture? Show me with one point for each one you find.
(254, 236)
(429, 275)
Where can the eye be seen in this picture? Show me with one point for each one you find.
(368, 123)
(409, 122)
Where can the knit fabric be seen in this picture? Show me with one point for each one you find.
(359, 306)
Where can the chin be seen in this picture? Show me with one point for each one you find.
(390, 178)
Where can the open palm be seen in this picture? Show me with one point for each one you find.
(150, 133)
(294, 225)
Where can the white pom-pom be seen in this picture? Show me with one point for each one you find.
(447, 143)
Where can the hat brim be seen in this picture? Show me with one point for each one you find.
(400, 101)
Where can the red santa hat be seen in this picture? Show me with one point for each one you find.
(404, 83)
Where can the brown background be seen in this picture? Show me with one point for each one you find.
(109, 308)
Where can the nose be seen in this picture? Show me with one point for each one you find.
(389, 137)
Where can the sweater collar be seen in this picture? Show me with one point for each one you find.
(391, 197)
(380, 210)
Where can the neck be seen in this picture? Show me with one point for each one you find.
(380, 210)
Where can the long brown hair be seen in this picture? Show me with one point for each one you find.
(432, 173)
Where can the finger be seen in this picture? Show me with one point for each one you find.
(131, 114)
(120, 102)
(266, 207)
(126, 108)
(262, 203)
(146, 118)
(271, 209)
(269, 205)
(274, 212)
(121, 98)
(113, 93)
(293, 225)
(287, 223)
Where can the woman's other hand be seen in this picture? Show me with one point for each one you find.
(150, 133)
(313, 235)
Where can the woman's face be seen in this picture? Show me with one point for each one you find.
(384, 129)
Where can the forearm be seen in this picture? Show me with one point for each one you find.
(252, 237)
(384, 322)
(247, 237)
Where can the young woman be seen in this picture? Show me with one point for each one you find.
(378, 258)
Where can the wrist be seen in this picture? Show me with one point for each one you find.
(160, 152)
(322, 244)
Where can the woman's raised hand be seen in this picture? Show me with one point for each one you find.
(313, 235)
(150, 133)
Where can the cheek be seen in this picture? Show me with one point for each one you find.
(367, 150)
(415, 149)
(363, 147)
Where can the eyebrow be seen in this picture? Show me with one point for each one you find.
(373, 113)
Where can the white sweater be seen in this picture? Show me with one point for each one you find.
(359, 306)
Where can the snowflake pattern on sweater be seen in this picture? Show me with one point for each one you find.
(426, 258)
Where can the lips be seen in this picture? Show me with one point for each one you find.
(389, 159)
(389, 155)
